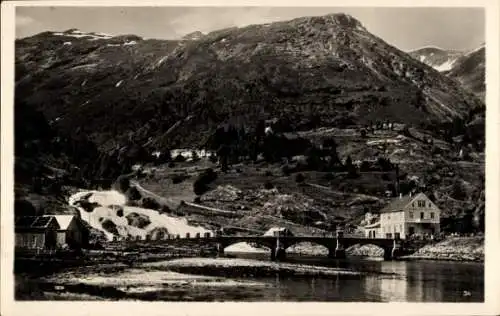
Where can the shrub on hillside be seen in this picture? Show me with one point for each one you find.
(165, 209)
(123, 183)
(200, 186)
(150, 203)
(365, 166)
(213, 158)
(138, 220)
(24, 208)
(299, 178)
(179, 158)
(133, 194)
(268, 185)
(110, 227)
(328, 176)
(268, 173)
(119, 212)
(176, 179)
(286, 170)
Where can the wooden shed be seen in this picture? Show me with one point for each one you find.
(50, 232)
(36, 232)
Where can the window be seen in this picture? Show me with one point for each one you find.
(413, 204)
(421, 215)
(388, 216)
(432, 215)
(411, 214)
(421, 203)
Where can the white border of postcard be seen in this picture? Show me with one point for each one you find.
(491, 306)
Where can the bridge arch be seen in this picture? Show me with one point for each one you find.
(250, 244)
(308, 248)
(246, 247)
(366, 250)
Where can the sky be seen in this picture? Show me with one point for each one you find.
(405, 28)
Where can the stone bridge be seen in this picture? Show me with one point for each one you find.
(278, 244)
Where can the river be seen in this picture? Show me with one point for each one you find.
(382, 281)
(412, 281)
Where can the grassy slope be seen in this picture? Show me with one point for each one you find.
(342, 199)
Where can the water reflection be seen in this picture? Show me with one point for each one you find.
(397, 281)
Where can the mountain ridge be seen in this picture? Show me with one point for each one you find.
(330, 65)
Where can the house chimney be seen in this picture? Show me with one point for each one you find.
(410, 193)
(400, 195)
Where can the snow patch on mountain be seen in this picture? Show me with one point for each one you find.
(447, 65)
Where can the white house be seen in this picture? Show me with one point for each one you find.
(406, 216)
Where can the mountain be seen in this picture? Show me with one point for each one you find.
(436, 57)
(90, 105)
(315, 71)
(470, 71)
(193, 36)
(467, 67)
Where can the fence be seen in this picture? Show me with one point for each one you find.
(162, 237)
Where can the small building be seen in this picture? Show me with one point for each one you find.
(405, 216)
(36, 232)
(50, 232)
(71, 233)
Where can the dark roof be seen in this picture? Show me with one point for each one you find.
(397, 204)
(35, 222)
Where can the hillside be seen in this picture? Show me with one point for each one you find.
(316, 71)
(101, 104)
(470, 71)
(466, 67)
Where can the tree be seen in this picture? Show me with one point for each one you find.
(223, 154)
(194, 156)
(363, 133)
(299, 178)
(314, 159)
(351, 168)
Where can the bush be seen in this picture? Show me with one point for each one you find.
(213, 159)
(299, 178)
(365, 166)
(119, 212)
(133, 194)
(171, 164)
(150, 203)
(286, 170)
(179, 158)
(328, 176)
(268, 173)
(268, 185)
(176, 179)
(200, 186)
(138, 220)
(123, 183)
(165, 209)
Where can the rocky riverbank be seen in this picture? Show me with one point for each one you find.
(247, 268)
(452, 249)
